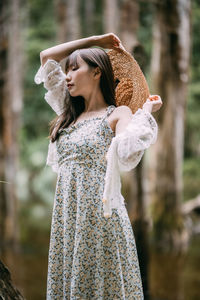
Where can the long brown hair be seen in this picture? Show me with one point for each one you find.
(74, 106)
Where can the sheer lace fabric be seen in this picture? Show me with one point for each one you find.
(124, 154)
(139, 134)
(55, 82)
(52, 157)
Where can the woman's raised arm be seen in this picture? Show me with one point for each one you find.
(59, 52)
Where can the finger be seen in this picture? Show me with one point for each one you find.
(121, 46)
(154, 97)
(156, 101)
(159, 101)
(116, 38)
(116, 43)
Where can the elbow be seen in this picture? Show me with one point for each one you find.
(43, 58)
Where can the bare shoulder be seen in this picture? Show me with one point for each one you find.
(124, 115)
(119, 118)
(123, 111)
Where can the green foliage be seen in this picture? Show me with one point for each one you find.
(191, 173)
(40, 35)
(37, 183)
(192, 137)
(195, 40)
(191, 176)
(145, 28)
(192, 127)
(97, 27)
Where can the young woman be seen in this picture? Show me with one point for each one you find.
(91, 256)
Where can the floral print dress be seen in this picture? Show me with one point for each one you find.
(90, 257)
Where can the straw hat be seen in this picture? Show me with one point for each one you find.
(132, 89)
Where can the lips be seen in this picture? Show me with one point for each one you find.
(70, 85)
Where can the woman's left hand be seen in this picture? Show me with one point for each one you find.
(153, 103)
(109, 41)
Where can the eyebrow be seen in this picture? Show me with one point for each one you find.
(72, 64)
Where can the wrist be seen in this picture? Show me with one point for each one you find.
(90, 41)
(94, 40)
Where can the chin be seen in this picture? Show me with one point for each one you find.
(74, 94)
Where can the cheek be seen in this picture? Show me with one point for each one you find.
(83, 78)
(77, 77)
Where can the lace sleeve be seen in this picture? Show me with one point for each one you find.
(139, 134)
(55, 82)
(52, 157)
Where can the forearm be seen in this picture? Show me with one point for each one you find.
(60, 51)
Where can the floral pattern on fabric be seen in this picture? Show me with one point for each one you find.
(90, 257)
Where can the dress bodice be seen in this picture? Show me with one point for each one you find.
(86, 142)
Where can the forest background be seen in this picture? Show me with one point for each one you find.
(162, 193)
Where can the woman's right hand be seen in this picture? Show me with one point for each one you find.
(153, 103)
(108, 41)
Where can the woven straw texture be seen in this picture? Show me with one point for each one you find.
(132, 89)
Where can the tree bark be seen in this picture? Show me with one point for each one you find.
(10, 110)
(7, 290)
(169, 70)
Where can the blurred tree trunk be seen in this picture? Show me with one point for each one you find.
(68, 16)
(7, 290)
(122, 18)
(10, 110)
(170, 63)
(111, 16)
(89, 17)
(129, 23)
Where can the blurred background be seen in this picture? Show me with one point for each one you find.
(162, 193)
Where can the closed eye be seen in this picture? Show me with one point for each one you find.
(71, 68)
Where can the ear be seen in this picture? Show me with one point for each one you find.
(97, 73)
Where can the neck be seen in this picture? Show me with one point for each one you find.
(95, 101)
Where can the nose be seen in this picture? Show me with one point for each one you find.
(68, 76)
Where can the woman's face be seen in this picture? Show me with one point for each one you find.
(80, 79)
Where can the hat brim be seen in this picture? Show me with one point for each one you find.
(132, 88)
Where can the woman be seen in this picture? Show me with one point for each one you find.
(90, 256)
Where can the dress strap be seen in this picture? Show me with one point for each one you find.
(109, 109)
